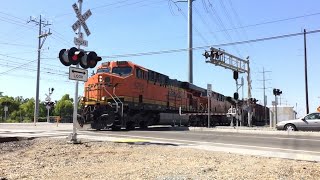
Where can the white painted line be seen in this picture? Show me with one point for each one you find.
(258, 137)
(224, 144)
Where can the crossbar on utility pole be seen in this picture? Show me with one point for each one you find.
(40, 44)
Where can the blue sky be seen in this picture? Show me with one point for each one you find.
(134, 26)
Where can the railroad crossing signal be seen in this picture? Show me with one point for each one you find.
(81, 19)
(75, 56)
(277, 92)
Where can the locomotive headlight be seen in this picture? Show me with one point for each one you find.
(100, 78)
(83, 99)
(103, 98)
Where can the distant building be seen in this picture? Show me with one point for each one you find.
(283, 113)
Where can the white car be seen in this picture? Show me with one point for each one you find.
(310, 122)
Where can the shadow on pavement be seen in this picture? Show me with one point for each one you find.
(11, 139)
(149, 143)
(151, 128)
(164, 129)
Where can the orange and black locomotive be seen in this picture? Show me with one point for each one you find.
(122, 94)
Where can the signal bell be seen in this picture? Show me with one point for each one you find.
(74, 56)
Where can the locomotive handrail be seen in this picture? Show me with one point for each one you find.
(112, 98)
(114, 89)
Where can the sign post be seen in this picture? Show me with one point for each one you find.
(209, 93)
(77, 73)
(5, 112)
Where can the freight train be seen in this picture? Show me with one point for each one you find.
(122, 94)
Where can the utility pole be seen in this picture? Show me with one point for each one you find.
(264, 94)
(190, 41)
(40, 23)
(190, 44)
(306, 70)
(249, 93)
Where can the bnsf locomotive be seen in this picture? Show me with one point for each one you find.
(122, 94)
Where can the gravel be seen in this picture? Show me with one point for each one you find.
(48, 158)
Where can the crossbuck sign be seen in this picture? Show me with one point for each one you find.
(81, 19)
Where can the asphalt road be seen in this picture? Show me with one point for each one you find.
(302, 147)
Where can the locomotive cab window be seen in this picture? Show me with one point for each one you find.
(103, 70)
(122, 71)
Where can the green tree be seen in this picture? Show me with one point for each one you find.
(10, 103)
(64, 107)
(27, 109)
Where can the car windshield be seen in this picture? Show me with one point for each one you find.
(122, 71)
(103, 70)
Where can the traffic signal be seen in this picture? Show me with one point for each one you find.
(235, 75)
(253, 100)
(51, 104)
(236, 96)
(90, 60)
(206, 54)
(74, 56)
(277, 92)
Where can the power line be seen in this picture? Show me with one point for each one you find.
(51, 71)
(2, 73)
(115, 3)
(195, 28)
(237, 17)
(230, 19)
(212, 12)
(13, 44)
(12, 16)
(26, 60)
(205, 22)
(270, 22)
(207, 46)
